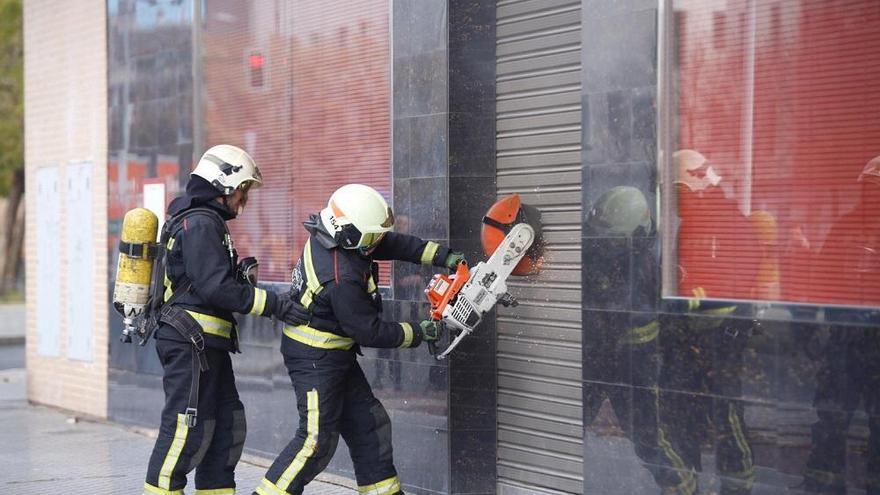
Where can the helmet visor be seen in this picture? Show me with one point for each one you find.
(371, 239)
(352, 238)
(245, 187)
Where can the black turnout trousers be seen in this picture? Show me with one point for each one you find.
(333, 398)
(214, 445)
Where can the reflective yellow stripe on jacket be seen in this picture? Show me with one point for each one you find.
(212, 325)
(407, 335)
(316, 338)
(313, 286)
(429, 252)
(167, 281)
(642, 334)
(259, 302)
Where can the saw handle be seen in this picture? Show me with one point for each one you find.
(432, 346)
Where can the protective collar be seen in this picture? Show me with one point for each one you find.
(199, 192)
(315, 227)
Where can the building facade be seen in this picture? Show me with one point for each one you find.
(706, 315)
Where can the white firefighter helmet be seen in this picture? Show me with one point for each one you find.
(694, 171)
(871, 172)
(620, 211)
(227, 168)
(357, 216)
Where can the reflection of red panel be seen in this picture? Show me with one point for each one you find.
(320, 120)
(814, 124)
(168, 169)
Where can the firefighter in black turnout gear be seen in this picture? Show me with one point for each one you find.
(335, 279)
(203, 423)
(625, 366)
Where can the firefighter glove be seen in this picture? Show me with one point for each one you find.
(290, 312)
(453, 259)
(431, 330)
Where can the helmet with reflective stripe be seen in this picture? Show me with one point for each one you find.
(694, 170)
(227, 168)
(871, 172)
(357, 216)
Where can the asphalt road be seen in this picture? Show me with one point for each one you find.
(11, 356)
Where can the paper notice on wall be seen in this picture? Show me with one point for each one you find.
(48, 261)
(80, 247)
(154, 199)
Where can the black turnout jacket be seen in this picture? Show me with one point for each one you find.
(201, 251)
(338, 287)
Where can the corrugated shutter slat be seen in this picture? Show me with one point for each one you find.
(538, 116)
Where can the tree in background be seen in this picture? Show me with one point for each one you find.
(11, 143)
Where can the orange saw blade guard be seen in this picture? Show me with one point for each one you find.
(501, 217)
(443, 288)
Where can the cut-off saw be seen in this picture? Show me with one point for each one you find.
(510, 236)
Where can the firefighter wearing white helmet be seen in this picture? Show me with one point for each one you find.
(718, 257)
(229, 169)
(357, 217)
(335, 281)
(203, 424)
(694, 171)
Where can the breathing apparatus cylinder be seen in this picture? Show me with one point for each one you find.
(137, 250)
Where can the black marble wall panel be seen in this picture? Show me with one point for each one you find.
(443, 173)
(413, 386)
(472, 386)
(771, 398)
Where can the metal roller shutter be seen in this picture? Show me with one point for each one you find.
(538, 106)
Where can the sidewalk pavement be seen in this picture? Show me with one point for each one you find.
(43, 450)
(12, 324)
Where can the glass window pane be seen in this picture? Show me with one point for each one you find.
(303, 86)
(770, 152)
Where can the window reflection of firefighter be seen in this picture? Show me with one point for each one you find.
(702, 352)
(850, 372)
(626, 354)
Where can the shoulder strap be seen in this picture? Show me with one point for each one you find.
(169, 230)
(175, 223)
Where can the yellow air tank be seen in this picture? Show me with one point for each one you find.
(137, 250)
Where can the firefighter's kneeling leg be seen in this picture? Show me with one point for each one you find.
(319, 402)
(178, 447)
(366, 429)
